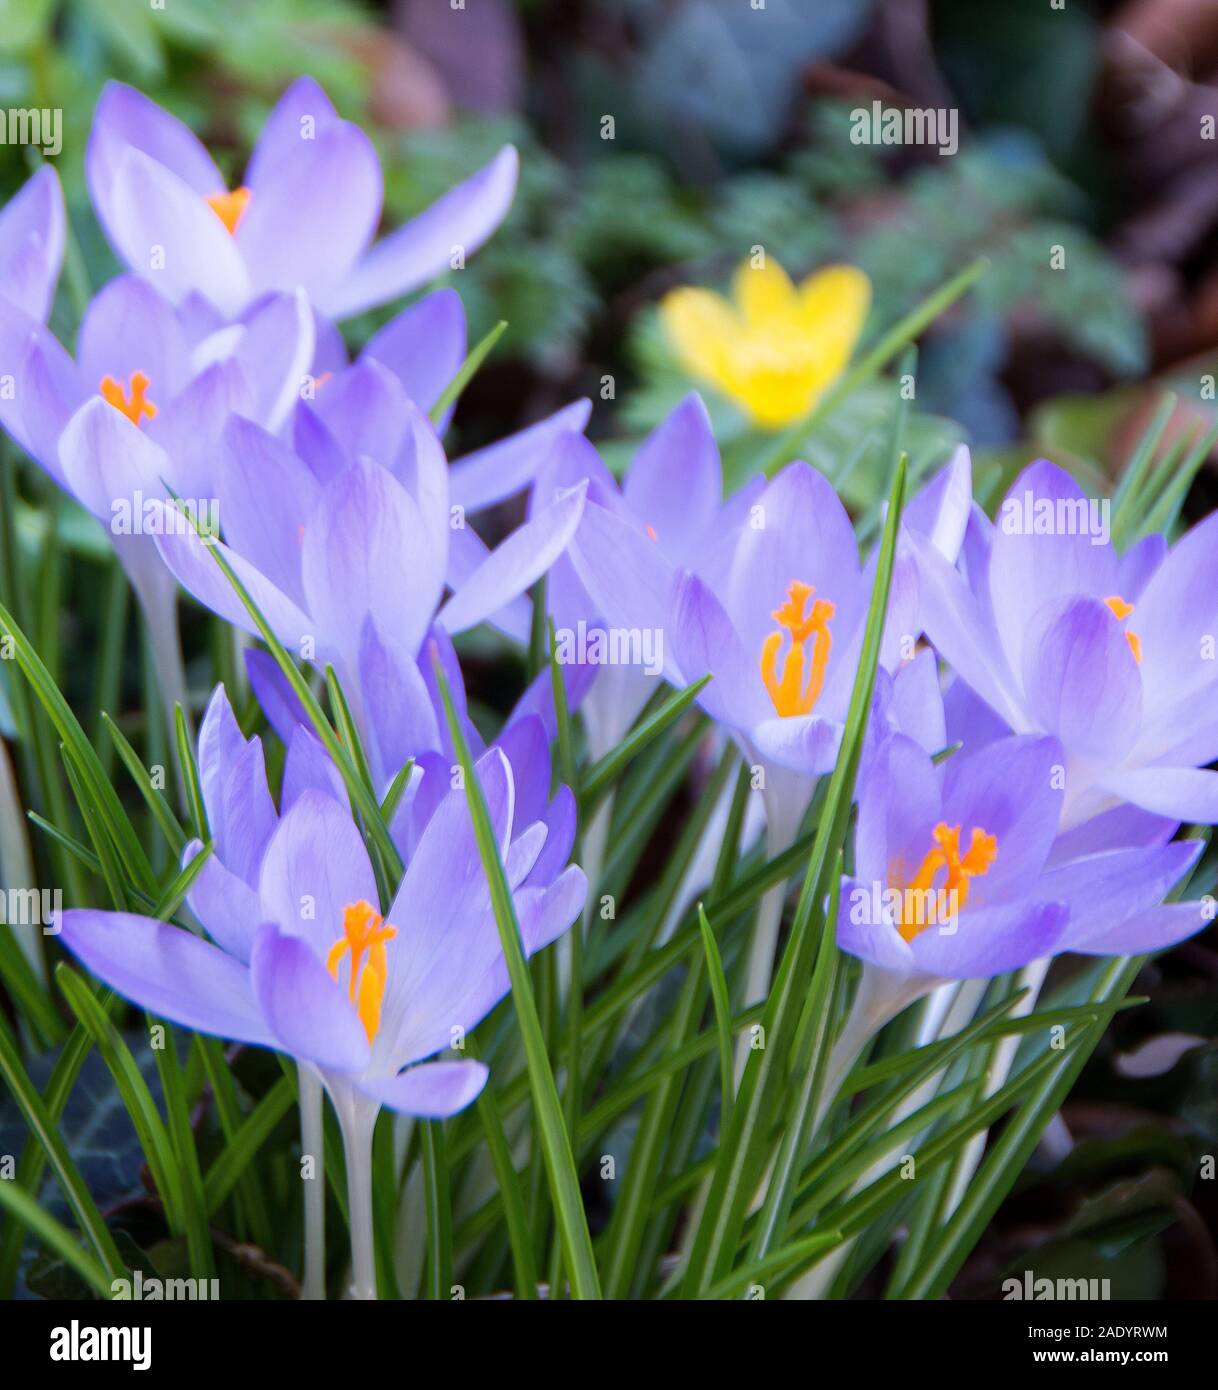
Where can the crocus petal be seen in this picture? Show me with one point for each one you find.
(226, 905)
(308, 767)
(1081, 679)
(50, 394)
(315, 866)
(266, 497)
(940, 510)
(279, 701)
(491, 475)
(515, 564)
(169, 972)
(1138, 564)
(32, 236)
(232, 775)
(675, 483)
(128, 327)
(311, 217)
(398, 711)
(1008, 790)
(1104, 889)
(274, 352)
(461, 220)
(167, 233)
(300, 114)
(432, 1091)
(865, 931)
(803, 743)
(106, 461)
(917, 704)
(467, 552)
(188, 429)
(899, 804)
(527, 749)
(1028, 569)
(423, 346)
(190, 559)
(1153, 930)
(704, 640)
(304, 1007)
(366, 551)
(989, 940)
(624, 571)
(125, 119)
(1177, 616)
(1183, 793)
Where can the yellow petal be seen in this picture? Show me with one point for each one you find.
(773, 398)
(834, 303)
(764, 293)
(701, 326)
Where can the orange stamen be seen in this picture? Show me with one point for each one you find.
(138, 406)
(951, 895)
(790, 693)
(1121, 610)
(364, 933)
(230, 207)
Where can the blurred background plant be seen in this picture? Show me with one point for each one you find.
(661, 141)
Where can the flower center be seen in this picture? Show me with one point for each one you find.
(230, 207)
(923, 902)
(1121, 610)
(790, 692)
(137, 404)
(364, 935)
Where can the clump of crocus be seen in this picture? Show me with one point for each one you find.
(307, 962)
(775, 347)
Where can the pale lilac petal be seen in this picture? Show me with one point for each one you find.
(107, 460)
(1152, 930)
(423, 346)
(190, 559)
(275, 351)
(1183, 793)
(1104, 889)
(866, 931)
(1027, 570)
(278, 700)
(1008, 790)
(48, 392)
(1138, 564)
(626, 575)
(304, 1007)
(516, 564)
(704, 641)
(300, 114)
(1120, 827)
(899, 805)
(398, 712)
(125, 119)
(675, 482)
(315, 866)
(1176, 619)
(917, 703)
(308, 767)
(311, 218)
(168, 234)
(232, 775)
(432, 1091)
(32, 237)
(1081, 679)
(467, 551)
(366, 551)
(804, 743)
(940, 510)
(128, 327)
(226, 905)
(497, 472)
(169, 972)
(990, 940)
(188, 429)
(267, 496)
(460, 220)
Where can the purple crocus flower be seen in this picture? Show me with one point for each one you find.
(954, 875)
(305, 214)
(1117, 656)
(143, 405)
(348, 562)
(305, 963)
(32, 231)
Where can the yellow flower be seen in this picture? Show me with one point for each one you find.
(777, 348)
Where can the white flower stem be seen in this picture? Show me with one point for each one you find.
(313, 1145)
(357, 1120)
